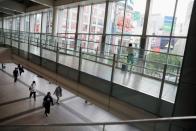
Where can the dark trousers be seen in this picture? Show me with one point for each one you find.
(47, 109)
(15, 79)
(34, 95)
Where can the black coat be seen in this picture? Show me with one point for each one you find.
(46, 103)
(15, 73)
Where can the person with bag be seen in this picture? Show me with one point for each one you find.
(32, 90)
(46, 103)
(58, 93)
(130, 55)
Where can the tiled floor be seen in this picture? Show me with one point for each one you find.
(17, 108)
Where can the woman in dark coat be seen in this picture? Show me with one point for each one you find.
(46, 103)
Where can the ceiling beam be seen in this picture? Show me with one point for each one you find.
(8, 12)
(48, 3)
(13, 6)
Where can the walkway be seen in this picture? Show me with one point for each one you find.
(17, 108)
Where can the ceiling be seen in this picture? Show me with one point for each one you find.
(14, 7)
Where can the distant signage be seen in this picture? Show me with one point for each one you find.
(168, 23)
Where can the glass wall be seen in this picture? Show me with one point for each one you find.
(125, 18)
(158, 37)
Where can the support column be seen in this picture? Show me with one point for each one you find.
(143, 38)
(19, 36)
(40, 42)
(77, 24)
(104, 29)
(54, 21)
(185, 103)
(29, 38)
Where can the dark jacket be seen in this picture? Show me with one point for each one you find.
(47, 100)
(15, 73)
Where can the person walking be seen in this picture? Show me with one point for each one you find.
(33, 90)
(58, 93)
(15, 74)
(46, 103)
(21, 69)
(130, 55)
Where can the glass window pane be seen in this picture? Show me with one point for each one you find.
(157, 44)
(62, 21)
(32, 22)
(26, 23)
(22, 22)
(97, 19)
(84, 19)
(72, 20)
(115, 17)
(44, 22)
(134, 17)
(112, 43)
(49, 22)
(183, 15)
(38, 23)
(160, 17)
(177, 46)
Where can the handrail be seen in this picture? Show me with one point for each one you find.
(148, 120)
(36, 40)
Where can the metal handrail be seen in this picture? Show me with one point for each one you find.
(33, 40)
(150, 120)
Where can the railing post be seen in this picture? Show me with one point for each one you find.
(79, 65)
(40, 48)
(4, 37)
(161, 89)
(19, 37)
(37, 41)
(65, 47)
(29, 38)
(96, 54)
(57, 57)
(178, 69)
(144, 64)
(19, 43)
(103, 127)
(112, 78)
(163, 81)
